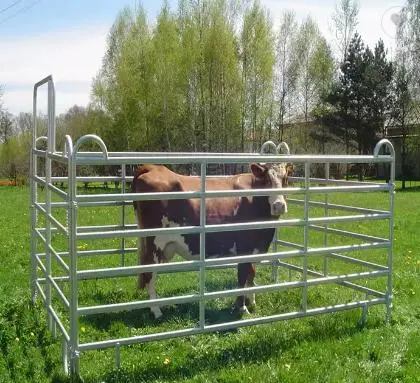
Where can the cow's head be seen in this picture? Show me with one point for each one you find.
(273, 176)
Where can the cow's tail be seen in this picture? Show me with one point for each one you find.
(144, 278)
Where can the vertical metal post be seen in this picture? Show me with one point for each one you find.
(72, 230)
(326, 213)
(48, 174)
(202, 244)
(306, 238)
(51, 116)
(274, 263)
(123, 214)
(64, 354)
(34, 197)
(389, 295)
(391, 184)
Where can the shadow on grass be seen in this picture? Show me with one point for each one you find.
(409, 189)
(245, 350)
(180, 312)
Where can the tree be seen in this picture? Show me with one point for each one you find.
(315, 71)
(257, 59)
(6, 126)
(344, 25)
(287, 69)
(404, 115)
(361, 98)
(408, 42)
(24, 122)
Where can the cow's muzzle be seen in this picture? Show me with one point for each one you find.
(278, 208)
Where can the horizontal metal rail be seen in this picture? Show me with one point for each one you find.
(341, 257)
(81, 253)
(195, 265)
(331, 181)
(229, 325)
(83, 198)
(115, 158)
(351, 285)
(352, 234)
(333, 206)
(292, 179)
(53, 205)
(260, 225)
(225, 293)
(357, 261)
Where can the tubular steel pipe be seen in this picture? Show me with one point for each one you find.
(72, 201)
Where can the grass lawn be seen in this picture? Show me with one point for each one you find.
(326, 348)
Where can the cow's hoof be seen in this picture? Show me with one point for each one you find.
(250, 303)
(243, 310)
(156, 311)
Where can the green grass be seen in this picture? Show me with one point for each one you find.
(331, 347)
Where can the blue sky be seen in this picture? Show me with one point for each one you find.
(68, 39)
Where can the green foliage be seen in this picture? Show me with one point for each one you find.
(408, 42)
(361, 98)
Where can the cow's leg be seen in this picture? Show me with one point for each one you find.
(148, 280)
(151, 288)
(250, 299)
(244, 271)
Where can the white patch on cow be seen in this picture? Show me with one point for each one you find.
(243, 310)
(173, 243)
(233, 250)
(251, 297)
(277, 202)
(151, 288)
(235, 210)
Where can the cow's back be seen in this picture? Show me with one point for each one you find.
(170, 213)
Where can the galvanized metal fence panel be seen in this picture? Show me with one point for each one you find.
(47, 281)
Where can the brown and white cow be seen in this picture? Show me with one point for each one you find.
(172, 213)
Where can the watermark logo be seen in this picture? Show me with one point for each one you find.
(392, 19)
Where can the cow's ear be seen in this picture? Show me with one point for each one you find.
(258, 171)
(290, 169)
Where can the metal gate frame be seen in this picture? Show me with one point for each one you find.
(43, 282)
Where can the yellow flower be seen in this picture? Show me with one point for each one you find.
(166, 361)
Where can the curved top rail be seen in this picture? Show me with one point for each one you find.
(388, 144)
(39, 139)
(68, 146)
(86, 138)
(384, 142)
(266, 146)
(283, 145)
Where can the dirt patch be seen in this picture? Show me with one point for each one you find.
(10, 182)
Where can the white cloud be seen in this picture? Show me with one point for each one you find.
(72, 56)
(374, 16)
